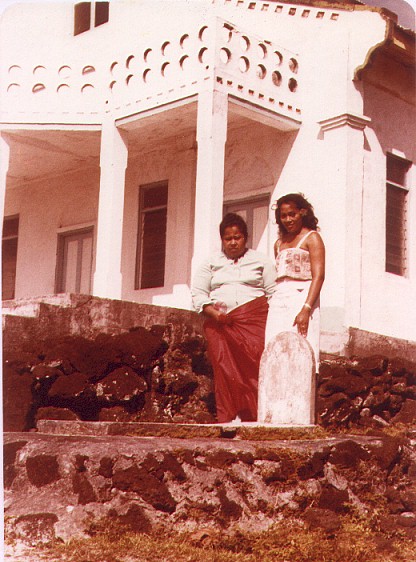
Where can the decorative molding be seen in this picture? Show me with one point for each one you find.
(359, 122)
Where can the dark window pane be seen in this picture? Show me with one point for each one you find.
(82, 17)
(397, 169)
(396, 230)
(153, 249)
(9, 258)
(101, 13)
(10, 227)
(155, 196)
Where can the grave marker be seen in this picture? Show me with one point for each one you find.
(287, 381)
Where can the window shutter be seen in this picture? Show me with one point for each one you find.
(396, 214)
(151, 243)
(82, 17)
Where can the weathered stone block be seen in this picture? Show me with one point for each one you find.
(347, 454)
(42, 470)
(287, 381)
(36, 529)
(69, 386)
(52, 413)
(148, 487)
(333, 499)
(83, 487)
(17, 400)
(120, 385)
(10, 451)
(407, 413)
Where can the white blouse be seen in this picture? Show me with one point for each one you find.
(220, 279)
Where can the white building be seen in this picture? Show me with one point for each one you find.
(128, 127)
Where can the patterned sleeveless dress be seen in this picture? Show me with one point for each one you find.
(294, 277)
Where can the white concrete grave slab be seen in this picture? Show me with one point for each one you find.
(287, 382)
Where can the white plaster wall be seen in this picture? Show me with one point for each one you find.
(178, 167)
(389, 301)
(254, 159)
(44, 209)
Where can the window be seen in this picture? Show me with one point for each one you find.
(74, 266)
(396, 214)
(255, 212)
(9, 256)
(90, 14)
(151, 239)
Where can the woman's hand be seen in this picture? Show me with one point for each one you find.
(302, 321)
(213, 312)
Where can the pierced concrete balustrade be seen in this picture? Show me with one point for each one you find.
(212, 55)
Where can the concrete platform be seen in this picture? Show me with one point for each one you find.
(249, 431)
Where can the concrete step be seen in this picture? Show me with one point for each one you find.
(31, 306)
(250, 431)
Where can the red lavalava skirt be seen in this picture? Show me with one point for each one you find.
(235, 349)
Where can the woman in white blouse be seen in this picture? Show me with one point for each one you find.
(231, 289)
(300, 272)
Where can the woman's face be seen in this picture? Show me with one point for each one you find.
(233, 242)
(292, 217)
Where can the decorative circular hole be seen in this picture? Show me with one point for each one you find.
(13, 88)
(165, 48)
(227, 33)
(225, 55)
(87, 89)
(38, 88)
(293, 65)
(65, 72)
(112, 84)
(279, 57)
(114, 67)
(165, 68)
(39, 70)
(147, 54)
(203, 32)
(293, 85)
(88, 69)
(129, 61)
(15, 70)
(63, 89)
(184, 62)
(146, 75)
(244, 64)
(184, 40)
(133, 81)
(203, 55)
(244, 43)
(261, 71)
(262, 50)
(276, 78)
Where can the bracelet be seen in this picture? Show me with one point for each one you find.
(307, 305)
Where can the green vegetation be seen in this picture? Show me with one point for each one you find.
(288, 541)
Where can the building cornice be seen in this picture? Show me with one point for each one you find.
(398, 44)
(352, 120)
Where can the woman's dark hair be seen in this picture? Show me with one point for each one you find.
(309, 220)
(232, 219)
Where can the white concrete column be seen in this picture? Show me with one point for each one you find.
(113, 163)
(211, 138)
(346, 131)
(4, 166)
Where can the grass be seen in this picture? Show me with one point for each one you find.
(287, 541)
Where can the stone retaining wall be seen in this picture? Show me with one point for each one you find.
(101, 360)
(58, 487)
